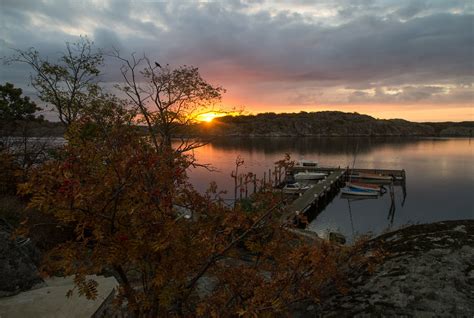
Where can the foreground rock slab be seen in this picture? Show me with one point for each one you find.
(18, 271)
(51, 301)
(429, 272)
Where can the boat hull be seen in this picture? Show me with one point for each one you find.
(294, 188)
(359, 192)
(363, 186)
(306, 163)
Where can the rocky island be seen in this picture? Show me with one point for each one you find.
(325, 124)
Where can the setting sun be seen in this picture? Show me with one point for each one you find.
(208, 117)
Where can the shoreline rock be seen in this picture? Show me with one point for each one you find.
(18, 260)
(428, 272)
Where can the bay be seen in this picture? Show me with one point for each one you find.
(440, 176)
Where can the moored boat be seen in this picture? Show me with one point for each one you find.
(359, 192)
(364, 186)
(309, 175)
(292, 188)
(306, 163)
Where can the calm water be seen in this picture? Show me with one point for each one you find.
(440, 176)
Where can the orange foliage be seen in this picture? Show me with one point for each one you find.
(135, 215)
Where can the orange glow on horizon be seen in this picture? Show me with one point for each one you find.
(413, 112)
(209, 116)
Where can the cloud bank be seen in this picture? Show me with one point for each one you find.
(274, 56)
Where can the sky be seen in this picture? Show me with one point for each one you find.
(410, 59)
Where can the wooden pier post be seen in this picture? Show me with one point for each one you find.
(240, 187)
(404, 186)
(254, 183)
(246, 186)
(276, 176)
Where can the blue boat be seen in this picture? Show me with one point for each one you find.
(359, 192)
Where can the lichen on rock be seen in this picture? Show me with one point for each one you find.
(18, 271)
(428, 271)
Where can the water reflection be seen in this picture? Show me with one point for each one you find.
(310, 145)
(440, 176)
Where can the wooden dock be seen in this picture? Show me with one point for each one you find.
(318, 194)
(316, 198)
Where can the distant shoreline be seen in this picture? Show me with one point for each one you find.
(326, 124)
(303, 124)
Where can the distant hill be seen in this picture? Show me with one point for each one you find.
(325, 123)
(451, 129)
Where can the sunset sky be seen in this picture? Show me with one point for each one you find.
(389, 59)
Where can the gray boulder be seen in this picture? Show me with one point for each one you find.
(428, 272)
(18, 271)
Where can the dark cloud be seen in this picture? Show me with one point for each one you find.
(348, 47)
(107, 38)
(414, 94)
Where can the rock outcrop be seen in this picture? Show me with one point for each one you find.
(429, 272)
(18, 259)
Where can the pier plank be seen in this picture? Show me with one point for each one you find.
(304, 202)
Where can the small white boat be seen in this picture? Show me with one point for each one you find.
(359, 192)
(364, 186)
(306, 163)
(292, 188)
(309, 175)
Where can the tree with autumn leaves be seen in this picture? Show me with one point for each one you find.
(173, 251)
(109, 185)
